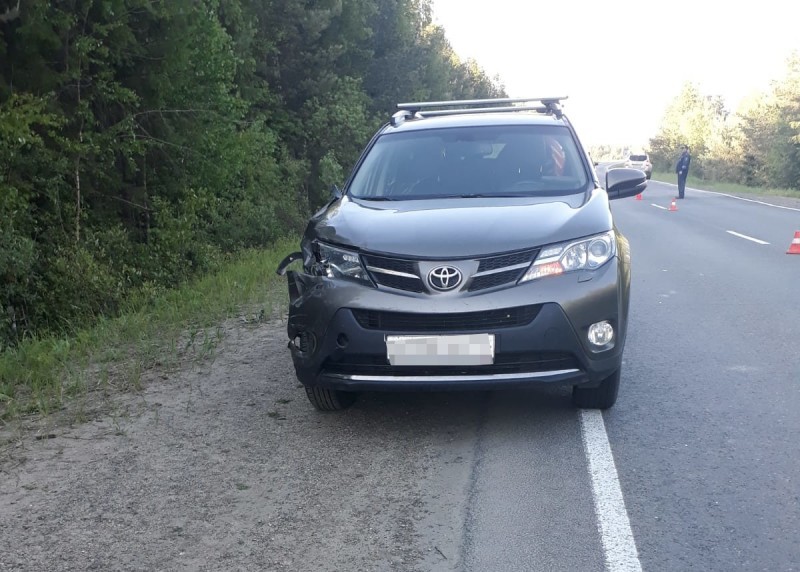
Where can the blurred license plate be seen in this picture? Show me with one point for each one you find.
(468, 349)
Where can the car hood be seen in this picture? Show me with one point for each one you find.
(453, 228)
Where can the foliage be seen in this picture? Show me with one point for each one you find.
(608, 152)
(164, 328)
(691, 119)
(758, 145)
(142, 141)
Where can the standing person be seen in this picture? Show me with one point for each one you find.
(682, 169)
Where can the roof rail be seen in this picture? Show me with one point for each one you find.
(399, 117)
(471, 110)
(550, 105)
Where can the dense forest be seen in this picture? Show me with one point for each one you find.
(144, 141)
(757, 144)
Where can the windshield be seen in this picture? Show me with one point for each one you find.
(638, 157)
(490, 161)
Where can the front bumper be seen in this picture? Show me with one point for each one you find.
(337, 332)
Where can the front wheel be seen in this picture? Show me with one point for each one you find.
(601, 397)
(325, 399)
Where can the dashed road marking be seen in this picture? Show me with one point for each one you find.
(744, 236)
(658, 206)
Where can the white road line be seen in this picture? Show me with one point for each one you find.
(766, 204)
(658, 206)
(609, 505)
(744, 236)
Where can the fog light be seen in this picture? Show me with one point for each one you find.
(601, 334)
(305, 342)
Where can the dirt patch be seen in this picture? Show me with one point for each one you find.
(223, 465)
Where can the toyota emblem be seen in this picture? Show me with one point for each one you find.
(444, 278)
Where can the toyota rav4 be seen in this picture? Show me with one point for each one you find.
(471, 247)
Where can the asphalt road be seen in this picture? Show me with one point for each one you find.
(705, 435)
(224, 466)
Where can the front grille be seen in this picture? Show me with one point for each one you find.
(496, 279)
(407, 283)
(394, 264)
(460, 322)
(399, 282)
(384, 269)
(505, 260)
(529, 362)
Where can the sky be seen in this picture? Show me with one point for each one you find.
(622, 63)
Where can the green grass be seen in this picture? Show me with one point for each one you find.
(41, 375)
(723, 187)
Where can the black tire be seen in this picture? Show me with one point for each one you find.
(324, 399)
(601, 397)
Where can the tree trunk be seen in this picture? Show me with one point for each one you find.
(78, 197)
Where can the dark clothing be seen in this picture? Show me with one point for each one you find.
(682, 169)
(683, 163)
(681, 185)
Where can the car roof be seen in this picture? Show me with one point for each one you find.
(474, 120)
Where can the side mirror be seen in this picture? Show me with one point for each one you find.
(621, 183)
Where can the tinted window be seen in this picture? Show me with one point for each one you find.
(638, 157)
(494, 161)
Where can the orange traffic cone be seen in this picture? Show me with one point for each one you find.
(639, 197)
(794, 248)
(673, 206)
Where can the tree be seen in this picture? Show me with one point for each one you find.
(691, 119)
(759, 145)
(769, 127)
(141, 141)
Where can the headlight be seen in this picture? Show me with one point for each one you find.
(339, 263)
(586, 254)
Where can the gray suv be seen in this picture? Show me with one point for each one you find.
(472, 247)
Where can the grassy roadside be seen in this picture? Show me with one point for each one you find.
(723, 187)
(41, 375)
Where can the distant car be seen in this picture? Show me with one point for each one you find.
(640, 161)
(471, 248)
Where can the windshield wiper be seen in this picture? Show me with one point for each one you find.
(488, 196)
(375, 198)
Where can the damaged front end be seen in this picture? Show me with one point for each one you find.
(309, 315)
(301, 342)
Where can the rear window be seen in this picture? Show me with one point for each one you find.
(638, 157)
(467, 161)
